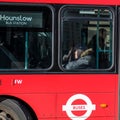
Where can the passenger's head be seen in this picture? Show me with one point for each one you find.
(78, 53)
(103, 33)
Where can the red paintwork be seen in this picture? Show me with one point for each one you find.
(47, 93)
(102, 2)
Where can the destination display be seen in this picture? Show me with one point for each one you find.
(20, 19)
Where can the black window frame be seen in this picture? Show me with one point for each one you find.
(21, 7)
(113, 65)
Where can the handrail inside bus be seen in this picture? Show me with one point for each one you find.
(10, 56)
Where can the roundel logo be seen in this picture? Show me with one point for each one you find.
(70, 109)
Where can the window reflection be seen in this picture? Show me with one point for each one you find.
(29, 45)
(86, 41)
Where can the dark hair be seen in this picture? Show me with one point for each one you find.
(102, 30)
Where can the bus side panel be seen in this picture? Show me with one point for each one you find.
(58, 83)
(44, 105)
(98, 118)
(51, 95)
(102, 105)
(101, 91)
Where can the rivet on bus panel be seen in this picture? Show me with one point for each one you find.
(103, 105)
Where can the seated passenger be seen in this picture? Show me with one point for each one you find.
(79, 59)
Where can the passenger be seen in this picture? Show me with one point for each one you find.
(97, 43)
(73, 54)
(78, 58)
(100, 44)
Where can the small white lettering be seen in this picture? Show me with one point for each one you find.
(19, 23)
(16, 81)
(78, 107)
(8, 23)
(18, 18)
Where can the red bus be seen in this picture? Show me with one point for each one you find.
(59, 60)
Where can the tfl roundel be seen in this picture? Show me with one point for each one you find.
(88, 107)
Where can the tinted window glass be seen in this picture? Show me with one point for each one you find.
(26, 38)
(86, 38)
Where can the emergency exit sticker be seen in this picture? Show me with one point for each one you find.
(88, 107)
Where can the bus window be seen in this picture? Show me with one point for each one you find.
(26, 38)
(86, 38)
